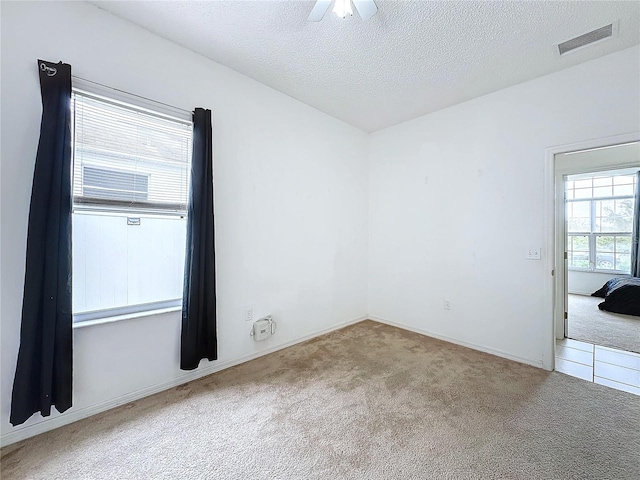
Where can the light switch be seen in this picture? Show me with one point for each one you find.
(532, 254)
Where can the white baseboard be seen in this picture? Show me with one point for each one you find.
(474, 346)
(50, 423)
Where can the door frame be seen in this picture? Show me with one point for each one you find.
(556, 266)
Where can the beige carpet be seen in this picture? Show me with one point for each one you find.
(366, 402)
(588, 323)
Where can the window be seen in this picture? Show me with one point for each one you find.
(102, 183)
(599, 210)
(130, 187)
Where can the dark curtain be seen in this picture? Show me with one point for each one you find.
(635, 243)
(44, 368)
(199, 338)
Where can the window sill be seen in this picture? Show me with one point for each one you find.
(129, 316)
(606, 272)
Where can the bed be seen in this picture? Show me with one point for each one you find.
(621, 295)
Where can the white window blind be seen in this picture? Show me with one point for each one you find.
(127, 158)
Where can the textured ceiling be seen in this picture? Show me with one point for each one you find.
(412, 58)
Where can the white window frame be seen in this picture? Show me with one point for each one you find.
(592, 234)
(118, 97)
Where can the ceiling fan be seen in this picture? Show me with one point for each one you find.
(342, 8)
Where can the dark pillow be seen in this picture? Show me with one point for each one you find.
(606, 288)
(601, 292)
(624, 299)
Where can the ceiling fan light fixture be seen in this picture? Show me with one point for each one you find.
(342, 8)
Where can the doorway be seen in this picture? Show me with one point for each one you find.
(595, 212)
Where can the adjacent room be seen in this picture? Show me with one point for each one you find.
(600, 338)
(600, 218)
(319, 239)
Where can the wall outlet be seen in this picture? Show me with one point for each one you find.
(447, 305)
(248, 314)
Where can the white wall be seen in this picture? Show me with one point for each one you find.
(585, 283)
(458, 195)
(291, 202)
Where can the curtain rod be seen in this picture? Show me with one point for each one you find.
(186, 112)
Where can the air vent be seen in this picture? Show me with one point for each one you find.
(586, 39)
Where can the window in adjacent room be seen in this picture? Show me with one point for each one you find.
(600, 221)
(130, 187)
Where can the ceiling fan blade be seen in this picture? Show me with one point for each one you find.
(366, 8)
(319, 9)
